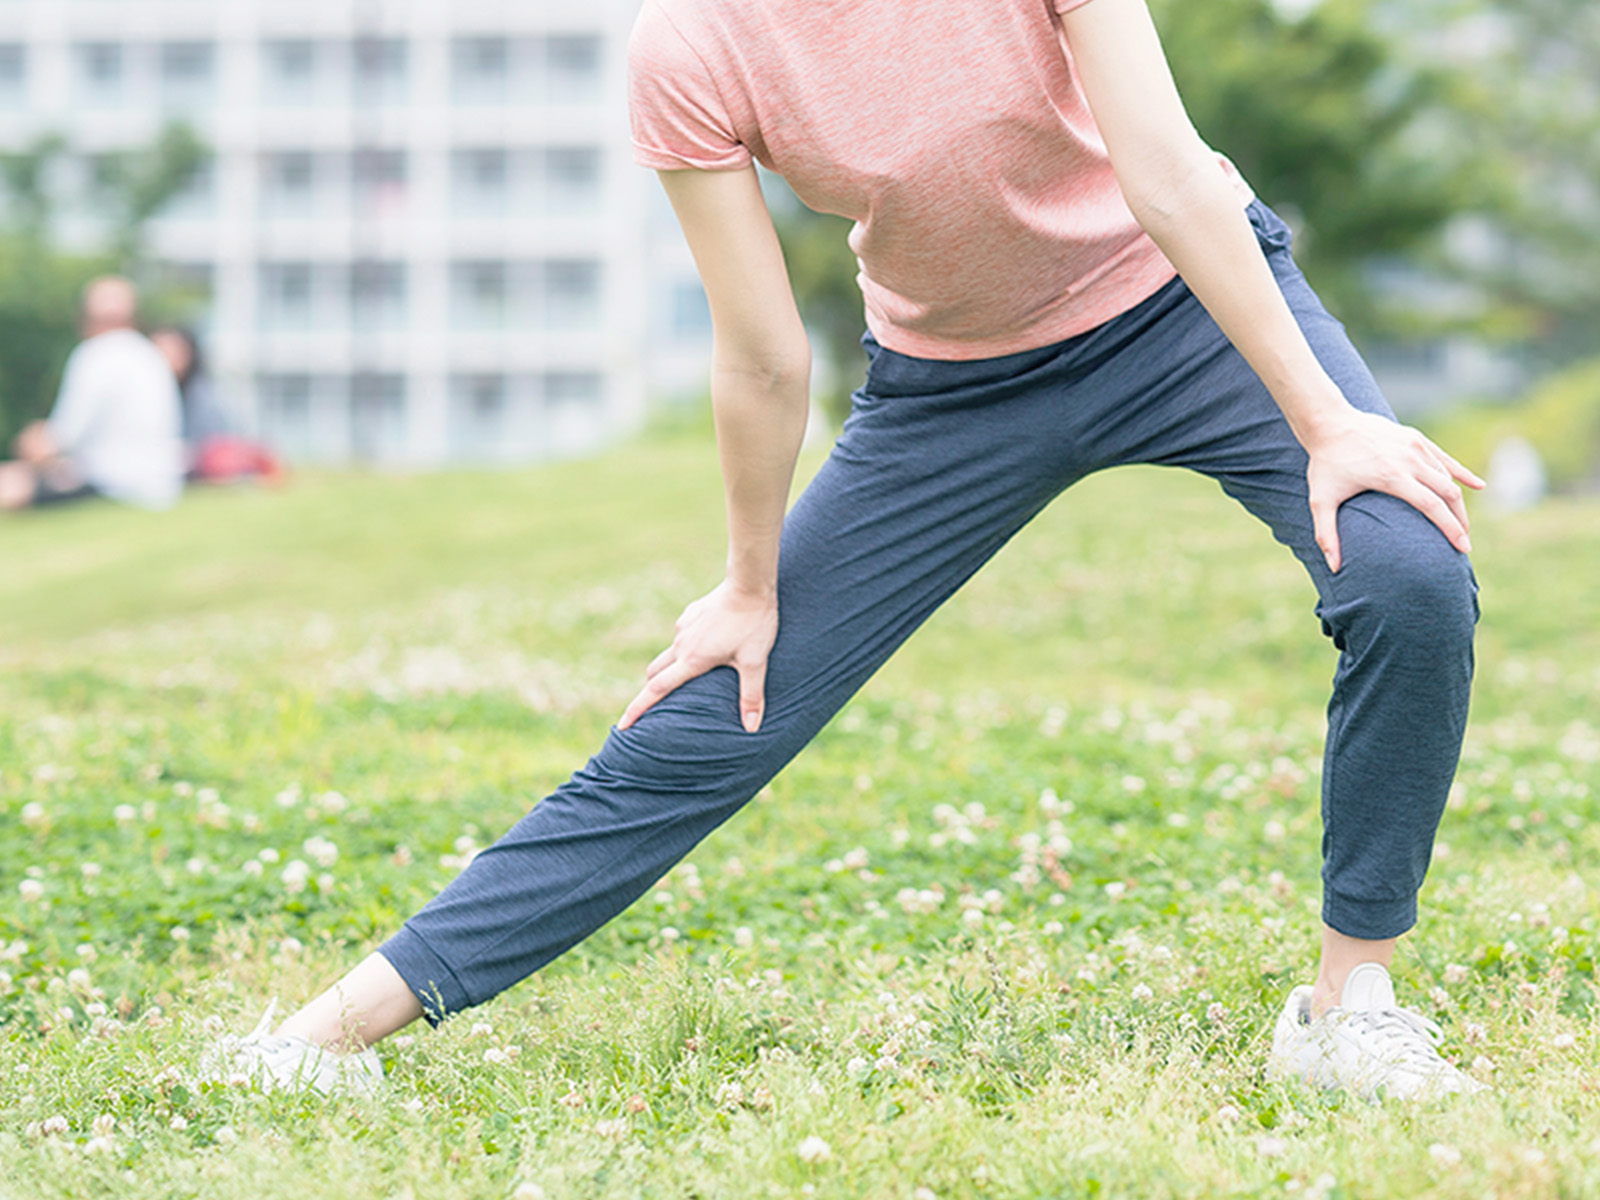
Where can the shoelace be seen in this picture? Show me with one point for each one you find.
(1408, 1037)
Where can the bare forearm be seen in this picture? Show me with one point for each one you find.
(761, 421)
(1196, 218)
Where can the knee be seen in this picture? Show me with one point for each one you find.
(1402, 580)
(692, 741)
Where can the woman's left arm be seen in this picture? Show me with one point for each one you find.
(1179, 194)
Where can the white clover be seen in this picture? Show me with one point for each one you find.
(33, 815)
(268, 856)
(669, 934)
(78, 979)
(743, 937)
(54, 1126)
(178, 1123)
(180, 933)
(1142, 992)
(857, 859)
(321, 851)
(1444, 1154)
(124, 814)
(1456, 973)
(31, 890)
(528, 1191)
(295, 876)
(814, 1150)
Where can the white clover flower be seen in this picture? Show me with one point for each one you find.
(1228, 1114)
(104, 1124)
(669, 934)
(1116, 889)
(268, 856)
(321, 851)
(1456, 973)
(528, 1191)
(87, 953)
(1269, 1146)
(1133, 784)
(124, 814)
(33, 815)
(180, 933)
(225, 1136)
(295, 876)
(290, 946)
(1444, 1154)
(253, 868)
(195, 866)
(1216, 1013)
(178, 1123)
(833, 866)
(1142, 992)
(615, 1127)
(495, 1056)
(480, 1029)
(1052, 929)
(924, 1193)
(814, 1150)
(743, 937)
(99, 1145)
(31, 890)
(1563, 1041)
(857, 1068)
(289, 797)
(78, 979)
(54, 1126)
(857, 859)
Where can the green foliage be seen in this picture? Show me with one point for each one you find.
(40, 284)
(39, 292)
(1328, 122)
(1561, 417)
(822, 271)
(375, 675)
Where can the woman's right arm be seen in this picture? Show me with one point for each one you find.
(760, 396)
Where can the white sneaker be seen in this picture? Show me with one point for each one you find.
(1367, 1045)
(276, 1061)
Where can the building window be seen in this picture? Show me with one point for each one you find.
(289, 75)
(571, 294)
(378, 182)
(101, 67)
(480, 182)
(378, 295)
(377, 416)
(379, 71)
(478, 415)
(480, 294)
(188, 71)
(285, 408)
(574, 389)
(286, 295)
(480, 70)
(691, 314)
(571, 178)
(13, 75)
(288, 184)
(571, 67)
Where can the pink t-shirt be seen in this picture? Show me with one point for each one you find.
(952, 132)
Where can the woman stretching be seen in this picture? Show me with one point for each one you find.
(1059, 277)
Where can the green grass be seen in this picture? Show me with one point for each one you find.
(1017, 924)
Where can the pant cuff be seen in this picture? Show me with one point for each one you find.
(1371, 920)
(426, 974)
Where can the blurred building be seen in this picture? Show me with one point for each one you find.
(421, 230)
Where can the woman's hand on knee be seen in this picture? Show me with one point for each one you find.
(725, 628)
(1361, 452)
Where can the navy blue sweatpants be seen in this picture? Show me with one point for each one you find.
(938, 465)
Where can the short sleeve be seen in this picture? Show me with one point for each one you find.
(1065, 6)
(679, 119)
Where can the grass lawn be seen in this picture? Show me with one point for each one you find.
(1016, 925)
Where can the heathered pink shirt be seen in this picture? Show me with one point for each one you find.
(954, 134)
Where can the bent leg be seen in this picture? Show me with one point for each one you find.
(919, 492)
(1401, 611)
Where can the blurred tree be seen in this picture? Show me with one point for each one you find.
(822, 270)
(40, 283)
(1332, 126)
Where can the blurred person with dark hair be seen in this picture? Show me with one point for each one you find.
(215, 451)
(115, 430)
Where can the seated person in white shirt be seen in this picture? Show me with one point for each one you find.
(116, 427)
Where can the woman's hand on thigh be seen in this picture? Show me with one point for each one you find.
(1361, 452)
(725, 628)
